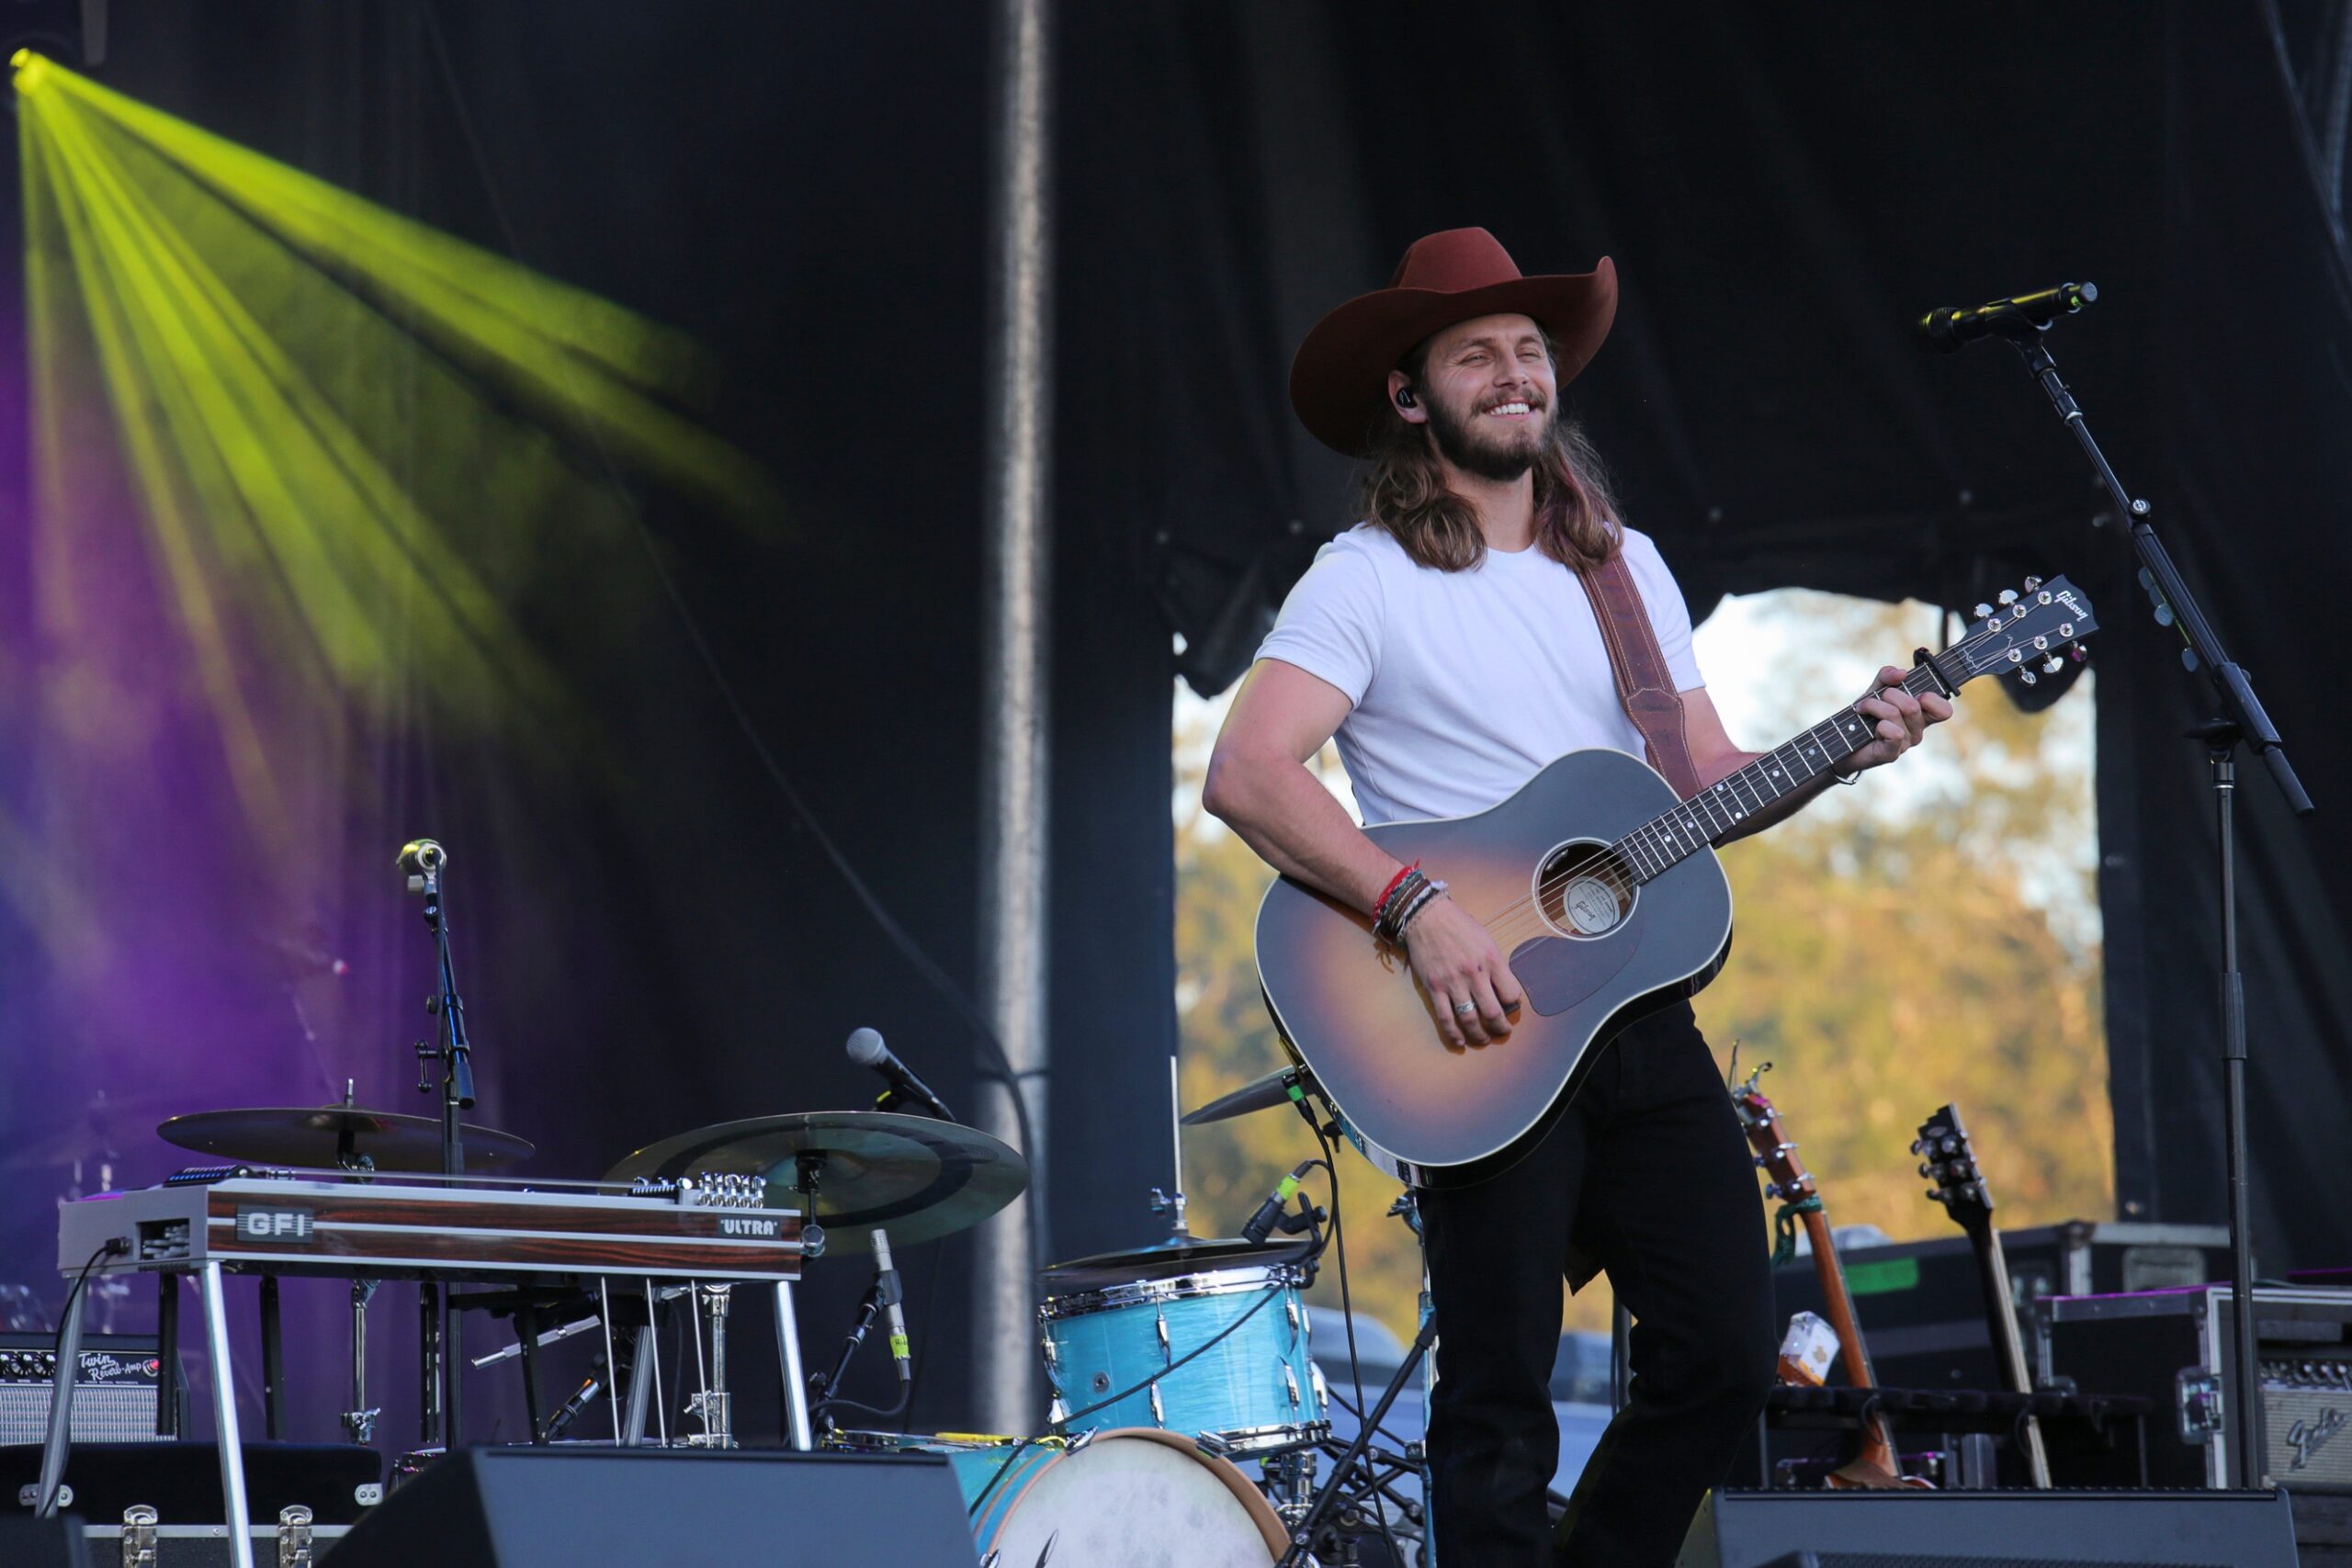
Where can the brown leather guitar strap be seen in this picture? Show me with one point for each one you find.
(1642, 684)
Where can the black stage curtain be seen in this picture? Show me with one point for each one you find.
(1783, 192)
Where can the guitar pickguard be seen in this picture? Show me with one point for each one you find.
(1559, 972)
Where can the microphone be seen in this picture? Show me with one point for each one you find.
(885, 1279)
(1269, 1213)
(1950, 329)
(423, 860)
(866, 1049)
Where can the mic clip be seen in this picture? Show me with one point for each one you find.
(890, 1099)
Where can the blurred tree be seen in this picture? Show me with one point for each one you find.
(1930, 936)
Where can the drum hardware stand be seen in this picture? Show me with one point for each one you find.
(1302, 1533)
(359, 1421)
(712, 1403)
(1171, 1203)
(879, 1295)
(2241, 720)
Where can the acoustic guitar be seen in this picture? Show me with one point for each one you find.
(1602, 890)
(1872, 1467)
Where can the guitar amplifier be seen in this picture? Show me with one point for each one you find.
(115, 1394)
(2175, 1347)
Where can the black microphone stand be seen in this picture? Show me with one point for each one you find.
(2241, 721)
(454, 1052)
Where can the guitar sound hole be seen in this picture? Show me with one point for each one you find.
(1583, 890)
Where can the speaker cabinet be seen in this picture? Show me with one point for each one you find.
(1991, 1529)
(563, 1508)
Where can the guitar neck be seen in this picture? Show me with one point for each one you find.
(1717, 811)
(1831, 1274)
(2008, 1345)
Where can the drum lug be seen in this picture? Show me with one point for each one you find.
(1290, 1311)
(1057, 1412)
(1322, 1389)
(1167, 1356)
(1290, 1384)
(1158, 1415)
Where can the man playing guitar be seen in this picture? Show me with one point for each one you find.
(1449, 645)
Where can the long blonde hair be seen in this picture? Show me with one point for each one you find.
(1404, 491)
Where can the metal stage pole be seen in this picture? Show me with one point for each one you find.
(1013, 774)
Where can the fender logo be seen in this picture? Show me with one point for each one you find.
(2307, 1437)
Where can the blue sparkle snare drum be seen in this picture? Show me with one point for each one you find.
(1210, 1336)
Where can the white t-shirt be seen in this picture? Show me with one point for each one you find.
(1464, 682)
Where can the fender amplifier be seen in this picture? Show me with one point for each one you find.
(1991, 1529)
(2173, 1346)
(115, 1394)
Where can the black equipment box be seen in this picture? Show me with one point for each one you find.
(1991, 1529)
(2173, 1346)
(181, 1481)
(1922, 1310)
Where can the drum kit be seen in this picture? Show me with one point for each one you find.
(1169, 1366)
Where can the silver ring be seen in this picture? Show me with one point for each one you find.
(1464, 1010)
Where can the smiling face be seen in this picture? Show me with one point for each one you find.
(1486, 390)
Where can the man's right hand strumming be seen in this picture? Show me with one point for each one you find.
(1472, 992)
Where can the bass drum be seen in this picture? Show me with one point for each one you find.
(1132, 1498)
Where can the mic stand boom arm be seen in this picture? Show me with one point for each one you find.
(2242, 719)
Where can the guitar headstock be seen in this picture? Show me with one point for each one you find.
(1775, 1153)
(1946, 1159)
(2028, 633)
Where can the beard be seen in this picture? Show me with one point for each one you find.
(1498, 455)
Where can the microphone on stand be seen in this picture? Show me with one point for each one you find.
(885, 1279)
(1950, 329)
(1261, 1224)
(423, 860)
(866, 1049)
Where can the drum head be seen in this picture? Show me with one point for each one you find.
(1168, 1261)
(1139, 1498)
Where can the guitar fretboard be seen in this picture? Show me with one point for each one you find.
(1671, 837)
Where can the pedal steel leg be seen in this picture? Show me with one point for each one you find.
(795, 1385)
(641, 1390)
(224, 1419)
(273, 1362)
(61, 1406)
(168, 1351)
(428, 1355)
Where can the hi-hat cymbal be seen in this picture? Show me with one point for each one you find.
(912, 1176)
(337, 1135)
(1259, 1094)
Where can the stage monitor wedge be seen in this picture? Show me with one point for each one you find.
(1992, 1529)
(567, 1506)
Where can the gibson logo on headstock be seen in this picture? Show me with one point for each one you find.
(2307, 1437)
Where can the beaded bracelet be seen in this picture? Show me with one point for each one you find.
(1381, 903)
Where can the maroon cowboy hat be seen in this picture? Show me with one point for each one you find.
(1338, 383)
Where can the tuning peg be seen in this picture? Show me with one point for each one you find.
(2027, 676)
(1982, 611)
(2032, 584)
(2051, 665)
(1771, 1189)
(2006, 596)
(1919, 1146)
(1938, 1195)
(1927, 1170)
(2079, 652)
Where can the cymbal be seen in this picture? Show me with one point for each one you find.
(328, 1135)
(912, 1176)
(1259, 1094)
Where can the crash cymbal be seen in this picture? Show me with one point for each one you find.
(912, 1176)
(1259, 1094)
(337, 1135)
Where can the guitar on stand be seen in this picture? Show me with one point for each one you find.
(1874, 1466)
(1946, 1159)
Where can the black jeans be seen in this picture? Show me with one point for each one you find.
(1649, 1176)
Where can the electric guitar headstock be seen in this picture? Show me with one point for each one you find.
(2028, 633)
(1946, 1159)
(1776, 1153)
